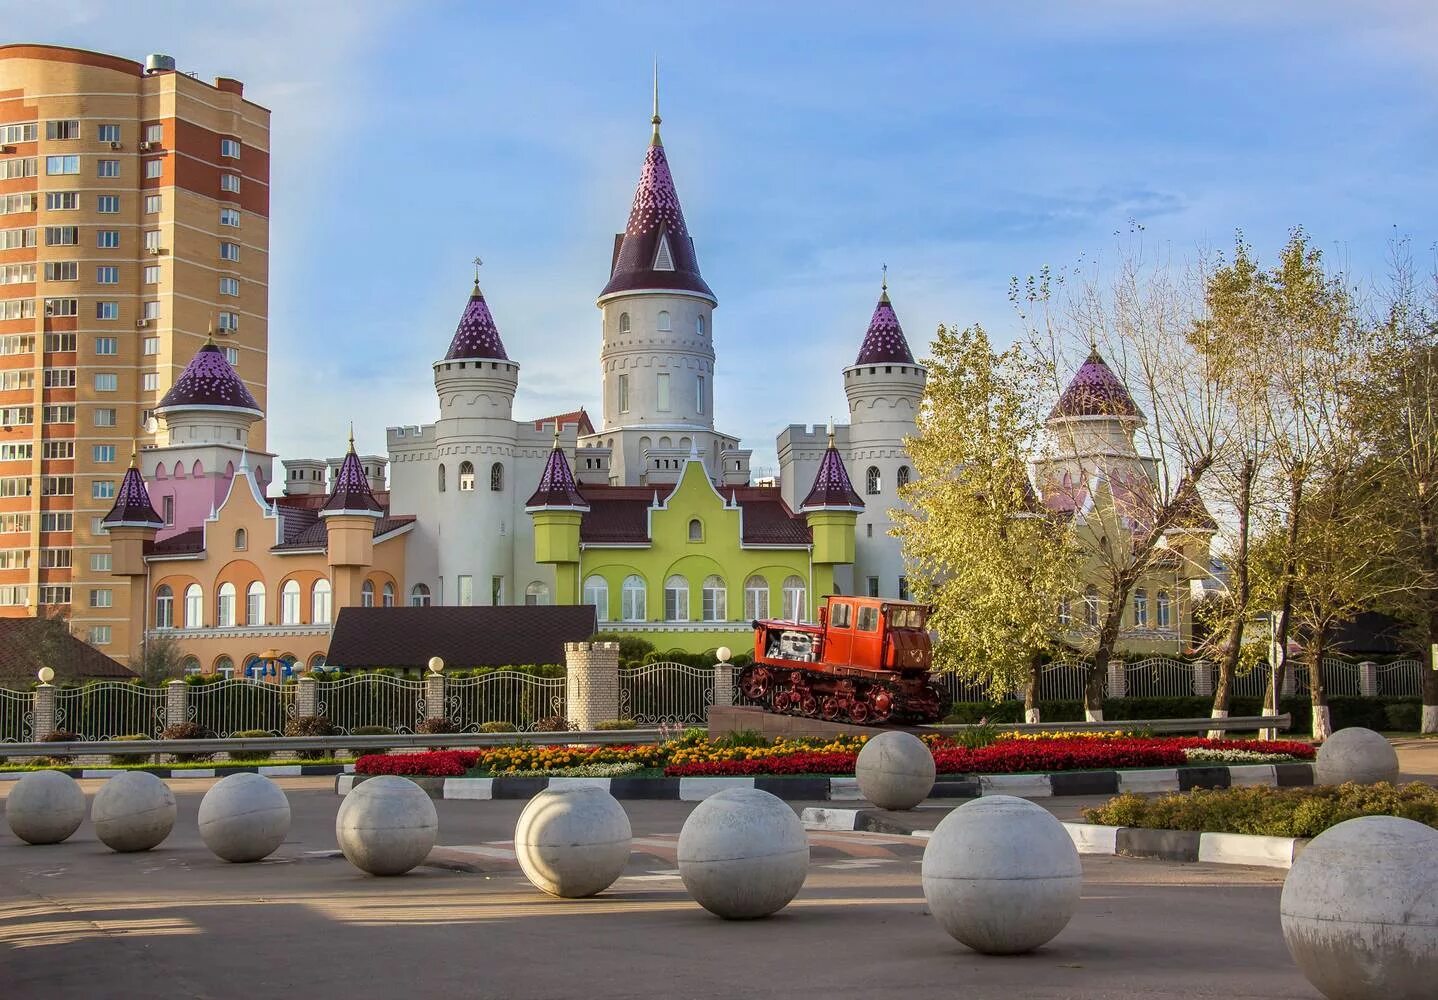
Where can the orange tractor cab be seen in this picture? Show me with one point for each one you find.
(866, 661)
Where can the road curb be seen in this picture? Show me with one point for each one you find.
(218, 771)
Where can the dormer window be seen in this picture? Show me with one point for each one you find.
(663, 259)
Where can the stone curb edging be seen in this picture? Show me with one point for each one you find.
(1092, 838)
(218, 771)
(803, 789)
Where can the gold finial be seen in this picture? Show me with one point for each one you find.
(831, 432)
(556, 434)
(654, 140)
(210, 332)
(884, 285)
(352, 437)
(134, 453)
(477, 265)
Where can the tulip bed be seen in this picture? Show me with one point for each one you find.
(690, 758)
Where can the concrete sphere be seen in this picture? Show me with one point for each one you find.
(386, 825)
(45, 807)
(743, 854)
(244, 817)
(895, 770)
(133, 811)
(572, 842)
(1001, 875)
(1355, 754)
(1360, 910)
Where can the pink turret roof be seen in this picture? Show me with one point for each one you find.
(476, 336)
(832, 488)
(1096, 391)
(209, 383)
(352, 494)
(884, 343)
(132, 507)
(556, 485)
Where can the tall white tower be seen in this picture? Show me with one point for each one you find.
(657, 348)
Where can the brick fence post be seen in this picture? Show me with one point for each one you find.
(591, 682)
(1290, 678)
(1202, 679)
(1368, 679)
(42, 720)
(177, 703)
(434, 693)
(1117, 679)
(306, 697)
(724, 681)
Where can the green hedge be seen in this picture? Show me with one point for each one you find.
(1371, 713)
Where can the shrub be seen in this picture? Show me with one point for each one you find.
(554, 724)
(371, 731)
(498, 727)
(311, 725)
(129, 758)
(631, 647)
(693, 736)
(1404, 718)
(433, 727)
(741, 738)
(980, 734)
(188, 731)
(612, 724)
(1348, 710)
(252, 734)
(59, 736)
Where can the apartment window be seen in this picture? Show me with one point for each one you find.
(55, 165)
(150, 382)
(61, 413)
(108, 133)
(13, 203)
(699, 392)
(58, 450)
(106, 381)
(107, 275)
(107, 310)
(17, 274)
(152, 239)
(154, 169)
(155, 134)
(17, 343)
(107, 346)
(17, 416)
(903, 588)
(14, 451)
(107, 168)
(1090, 606)
(62, 307)
(61, 201)
(99, 635)
(67, 128)
(229, 321)
(22, 132)
(152, 274)
(15, 486)
(17, 378)
(17, 308)
(230, 148)
(232, 355)
(1140, 608)
(102, 489)
(229, 251)
(107, 239)
(57, 486)
(14, 558)
(661, 391)
(59, 378)
(229, 286)
(100, 562)
(21, 166)
(57, 520)
(229, 217)
(14, 239)
(56, 559)
(61, 236)
(14, 596)
(150, 345)
(624, 393)
(50, 594)
(108, 204)
(59, 342)
(104, 416)
(102, 453)
(62, 270)
(150, 310)
(153, 203)
(230, 183)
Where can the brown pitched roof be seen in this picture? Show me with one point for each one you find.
(619, 514)
(27, 644)
(462, 637)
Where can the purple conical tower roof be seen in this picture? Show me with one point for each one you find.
(352, 494)
(132, 504)
(476, 336)
(208, 382)
(556, 485)
(832, 488)
(884, 343)
(1096, 391)
(656, 222)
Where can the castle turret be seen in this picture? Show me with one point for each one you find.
(832, 508)
(557, 509)
(349, 517)
(475, 378)
(209, 403)
(131, 525)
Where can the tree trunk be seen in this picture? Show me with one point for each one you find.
(1317, 689)
(1428, 543)
(1285, 599)
(1031, 691)
(1098, 669)
(1233, 642)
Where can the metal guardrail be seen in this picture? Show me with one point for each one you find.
(1236, 722)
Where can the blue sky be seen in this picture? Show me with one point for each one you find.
(959, 143)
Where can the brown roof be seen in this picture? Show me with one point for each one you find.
(578, 418)
(27, 644)
(619, 514)
(462, 637)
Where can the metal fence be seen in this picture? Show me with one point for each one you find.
(666, 694)
(110, 708)
(17, 715)
(371, 700)
(1158, 677)
(1401, 678)
(238, 705)
(522, 700)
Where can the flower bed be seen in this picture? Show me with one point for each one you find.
(694, 758)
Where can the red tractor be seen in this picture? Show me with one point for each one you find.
(866, 661)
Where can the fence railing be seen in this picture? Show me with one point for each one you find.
(237, 706)
(666, 694)
(110, 708)
(1159, 677)
(1401, 678)
(16, 715)
(371, 700)
(522, 700)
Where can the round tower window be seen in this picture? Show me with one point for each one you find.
(664, 326)
(623, 322)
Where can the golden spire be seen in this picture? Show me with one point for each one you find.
(556, 434)
(352, 437)
(210, 332)
(831, 432)
(134, 453)
(654, 140)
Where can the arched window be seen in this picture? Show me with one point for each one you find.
(871, 480)
(1140, 608)
(387, 595)
(190, 665)
(317, 661)
(536, 595)
(1090, 606)
(699, 325)
(419, 596)
(1165, 609)
(715, 599)
(664, 326)
(596, 594)
(496, 477)
(320, 603)
(623, 322)
(164, 606)
(796, 599)
(676, 599)
(242, 540)
(255, 604)
(903, 477)
(633, 603)
(225, 606)
(224, 666)
(696, 530)
(756, 598)
(194, 606)
(466, 477)
(441, 477)
(290, 603)
(367, 594)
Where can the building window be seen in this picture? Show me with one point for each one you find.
(58, 378)
(149, 381)
(903, 588)
(623, 322)
(871, 586)
(441, 477)
(154, 169)
(194, 606)
(255, 604)
(419, 596)
(230, 183)
(367, 594)
(796, 599)
(229, 286)
(106, 381)
(164, 606)
(1065, 611)
(466, 477)
(1140, 608)
(632, 595)
(152, 240)
(108, 204)
(150, 346)
(232, 355)
(320, 603)
(107, 239)
(465, 584)
(62, 307)
(229, 251)
(676, 599)
(64, 129)
(661, 391)
(107, 133)
(496, 477)
(102, 454)
(387, 595)
(102, 489)
(664, 326)
(106, 168)
(496, 591)
(623, 387)
(242, 539)
(1165, 608)
(99, 635)
(536, 595)
(596, 595)
(230, 148)
(699, 394)
(55, 165)
(903, 477)
(167, 509)
(61, 201)
(696, 530)
(229, 216)
(100, 562)
(290, 603)
(60, 236)
(699, 325)
(715, 599)
(155, 134)
(152, 274)
(107, 310)
(150, 310)
(153, 204)
(1090, 606)
(107, 275)
(104, 417)
(871, 480)
(229, 322)
(225, 606)
(756, 598)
